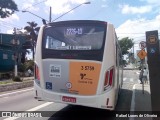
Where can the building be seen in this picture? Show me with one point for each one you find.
(10, 50)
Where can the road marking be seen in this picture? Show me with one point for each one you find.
(132, 109)
(40, 106)
(7, 94)
(32, 109)
(124, 79)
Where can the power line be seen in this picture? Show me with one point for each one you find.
(13, 25)
(9, 25)
(34, 5)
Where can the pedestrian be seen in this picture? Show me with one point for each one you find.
(141, 76)
(145, 74)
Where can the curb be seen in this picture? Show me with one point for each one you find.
(16, 85)
(132, 109)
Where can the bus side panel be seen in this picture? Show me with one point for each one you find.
(109, 61)
(38, 55)
(109, 58)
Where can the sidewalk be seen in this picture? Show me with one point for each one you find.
(141, 102)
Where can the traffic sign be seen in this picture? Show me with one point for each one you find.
(152, 39)
(152, 50)
(142, 54)
(142, 44)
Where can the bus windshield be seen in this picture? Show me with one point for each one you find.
(74, 37)
(74, 40)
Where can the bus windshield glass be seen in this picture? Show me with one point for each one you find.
(77, 37)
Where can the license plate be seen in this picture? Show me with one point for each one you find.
(69, 99)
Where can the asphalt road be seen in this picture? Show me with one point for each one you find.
(24, 101)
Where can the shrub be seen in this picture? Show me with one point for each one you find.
(17, 79)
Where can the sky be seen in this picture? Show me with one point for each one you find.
(131, 18)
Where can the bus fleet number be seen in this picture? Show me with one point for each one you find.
(90, 68)
(74, 31)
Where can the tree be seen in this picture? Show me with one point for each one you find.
(24, 52)
(7, 8)
(32, 30)
(29, 65)
(126, 44)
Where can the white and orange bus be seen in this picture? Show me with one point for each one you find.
(78, 62)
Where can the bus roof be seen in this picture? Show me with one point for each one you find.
(78, 21)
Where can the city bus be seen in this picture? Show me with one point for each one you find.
(78, 62)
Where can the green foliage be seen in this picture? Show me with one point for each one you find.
(16, 79)
(32, 29)
(29, 65)
(7, 8)
(126, 44)
(6, 82)
(124, 62)
(21, 68)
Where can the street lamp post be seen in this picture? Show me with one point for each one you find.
(44, 20)
(35, 15)
(71, 10)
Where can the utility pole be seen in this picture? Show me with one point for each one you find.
(133, 60)
(50, 14)
(16, 55)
